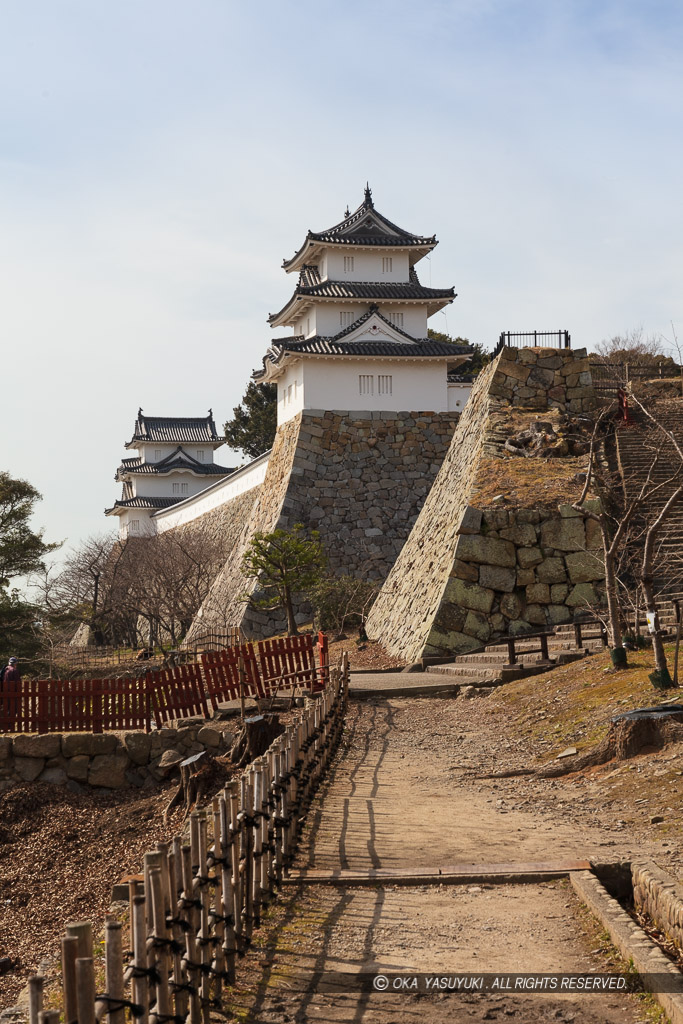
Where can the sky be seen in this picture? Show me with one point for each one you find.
(159, 160)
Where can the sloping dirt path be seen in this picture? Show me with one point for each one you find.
(397, 798)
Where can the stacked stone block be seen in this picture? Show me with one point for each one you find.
(469, 575)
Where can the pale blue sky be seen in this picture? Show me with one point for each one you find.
(158, 161)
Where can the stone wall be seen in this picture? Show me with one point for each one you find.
(467, 573)
(358, 478)
(108, 760)
(661, 897)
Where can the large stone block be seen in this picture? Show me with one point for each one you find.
(535, 614)
(477, 625)
(77, 767)
(471, 520)
(36, 746)
(515, 370)
(450, 642)
(584, 567)
(593, 535)
(486, 550)
(559, 613)
(551, 570)
(138, 746)
(108, 770)
(523, 535)
(29, 768)
(558, 593)
(87, 743)
(465, 570)
(563, 535)
(496, 577)
(582, 595)
(450, 618)
(5, 748)
(529, 557)
(209, 736)
(511, 606)
(525, 577)
(538, 593)
(468, 595)
(518, 626)
(54, 776)
(541, 378)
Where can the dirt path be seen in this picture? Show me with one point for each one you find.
(399, 797)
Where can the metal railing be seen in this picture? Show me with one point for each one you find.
(532, 339)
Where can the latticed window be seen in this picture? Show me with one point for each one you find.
(348, 264)
(180, 488)
(200, 455)
(135, 526)
(396, 319)
(366, 384)
(384, 384)
(346, 318)
(387, 264)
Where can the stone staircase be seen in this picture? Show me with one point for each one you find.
(491, 665)
(636, 448)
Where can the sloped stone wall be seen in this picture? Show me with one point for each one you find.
(467, 575)
(358, 478)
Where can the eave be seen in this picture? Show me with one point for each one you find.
(299, 304)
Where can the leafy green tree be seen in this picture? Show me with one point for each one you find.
(252, 428)
(21, 549)
(479, 358)
(284, 563)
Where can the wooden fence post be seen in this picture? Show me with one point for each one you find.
(69, 955)
(35, 997)
(85, 987)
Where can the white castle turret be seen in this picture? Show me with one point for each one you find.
(359, 319)
(174, 462)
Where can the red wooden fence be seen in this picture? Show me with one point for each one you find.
(101, 705)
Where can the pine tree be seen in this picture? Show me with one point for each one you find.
(252, 429)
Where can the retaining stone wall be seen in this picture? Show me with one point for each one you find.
(358, 478)
(661, 897)
(467, 575)
(107, 760)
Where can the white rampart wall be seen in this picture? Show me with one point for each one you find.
(457, 396)
(211, 497)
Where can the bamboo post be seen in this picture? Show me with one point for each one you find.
(201, 882)
(264, 883)
(246, 857)
(138, 972)
(36, 984)
(162, 1008)
(85, 987)
(227, 890)
(216, 912)
(190, 913)
(82, 930)
(175, 868)
(113, 968)
(254, 825)
(235, 844)
(69, 954)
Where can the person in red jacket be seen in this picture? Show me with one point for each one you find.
(11, 673)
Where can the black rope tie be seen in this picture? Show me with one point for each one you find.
(187, 904)
(224, 861)
(167, 1018)
(192, 966)
(114, 1004)
(134, 971)
(225, 918)
(158, 942)
(184, 986)
(178, 922)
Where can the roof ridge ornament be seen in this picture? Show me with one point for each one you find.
(347, 212)
(368, 195)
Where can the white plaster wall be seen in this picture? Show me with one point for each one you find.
(457, 396)
(334, 384)
(162, 486)
(328, 322)
(306, 324)
(367, 265)
(148, 452)
(212, 497)
(145, 524)
(290, 392)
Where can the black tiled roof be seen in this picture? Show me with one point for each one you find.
(337, 345)
(141, 502)
(365, 226)
(461, 378)
(177, 459)
(389, 291)
(174, 428)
